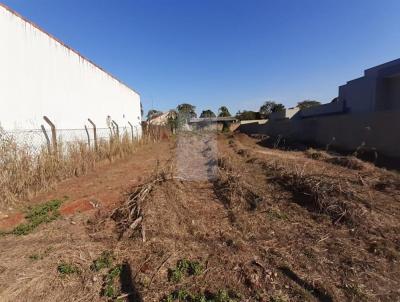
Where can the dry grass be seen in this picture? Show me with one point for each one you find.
(231, 187)
(316, 154)
(25, 171)
(349, 162)
(129, 215)
(318, 192)
(203, 242)
(311, 187)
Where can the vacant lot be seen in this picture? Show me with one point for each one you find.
(206, 217)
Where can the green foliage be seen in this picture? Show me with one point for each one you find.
(153, 113)
(247, 115)
(175, 275)
(207, 114)
(223, 112)
(222, 296)
(67, 269)
(185, 113)
(110, 289)
(37, 215)
(195, 268)
(269, 107)
(187, 109)
(187, 296)
(307, 104)
(104, 261)
(184, 267)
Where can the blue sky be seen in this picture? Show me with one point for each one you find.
(216, 52)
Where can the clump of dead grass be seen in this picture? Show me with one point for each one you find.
(129, 216)
(349, 162)
(232, 189)
(316, 154)
(317, 191)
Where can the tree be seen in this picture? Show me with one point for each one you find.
(173, 120)
(269, 107)
(207, 114)
(187, 110)
(278, 108)
(307, 104)
(223, 112)
(153, 113)
(247, 115)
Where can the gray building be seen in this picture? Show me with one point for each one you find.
(377, 90)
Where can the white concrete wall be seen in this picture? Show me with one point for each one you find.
(40, 76)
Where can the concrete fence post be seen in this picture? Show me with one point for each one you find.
(88, 136)
(53, 134)
(94, 134)
(131, 129)
(117, 127)
(136, 133)
(47, 138)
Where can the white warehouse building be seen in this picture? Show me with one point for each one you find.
(41, 76)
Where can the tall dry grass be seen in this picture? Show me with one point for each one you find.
(25, 171)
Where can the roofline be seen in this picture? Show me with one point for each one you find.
(65, 45)
(383, 65)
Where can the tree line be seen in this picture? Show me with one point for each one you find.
(186, 111)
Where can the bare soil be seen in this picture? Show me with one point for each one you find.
(265, 224)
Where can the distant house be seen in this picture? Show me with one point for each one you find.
(163, 118)
(377, 90)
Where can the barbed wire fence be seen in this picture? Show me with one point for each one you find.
(54, 138)
(33, 159)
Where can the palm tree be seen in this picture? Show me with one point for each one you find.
(207, 114)
(223, 112)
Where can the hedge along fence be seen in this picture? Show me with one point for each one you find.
(27, 167)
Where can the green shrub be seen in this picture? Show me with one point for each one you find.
(43, 213)
(184, 267)
(104, 261)
(110, 289)
(187, 296)
(67, 269)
